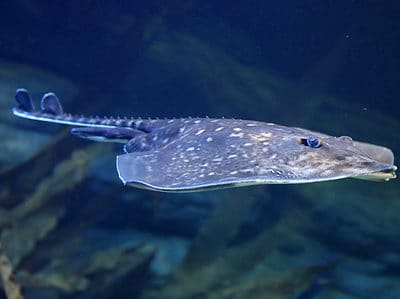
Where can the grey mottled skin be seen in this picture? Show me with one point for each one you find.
(209, 153)
(193, 154)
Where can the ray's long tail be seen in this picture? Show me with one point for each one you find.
(52, 111)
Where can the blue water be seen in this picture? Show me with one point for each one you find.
(330, 66)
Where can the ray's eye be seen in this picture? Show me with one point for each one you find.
(311, 141)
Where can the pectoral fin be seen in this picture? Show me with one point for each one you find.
(106, 134)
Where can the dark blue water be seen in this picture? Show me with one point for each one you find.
(73, 231)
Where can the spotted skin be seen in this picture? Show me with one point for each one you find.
(192, 154)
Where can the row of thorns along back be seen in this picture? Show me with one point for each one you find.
(52, 108)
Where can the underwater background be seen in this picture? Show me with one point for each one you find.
(70, 229)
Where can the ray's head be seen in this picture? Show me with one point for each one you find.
(310, 156)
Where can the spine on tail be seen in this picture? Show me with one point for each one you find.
(51, 111)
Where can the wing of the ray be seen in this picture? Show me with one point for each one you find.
(217, 153)
(191, 154)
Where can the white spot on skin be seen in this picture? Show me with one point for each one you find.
(327, 172)
(200, 131)
(240, 135)
(251, 125)
(261, 136)
(197, 121)
(165, 140)
(217, 159)
(209, 139)
(181, 130)
(189, 149)
(201, 176)
(232, 156)
(251, 170)
(237, 129)
(248, 144)
(171, 121)
(204, 165)
(233, 172)
(211, 173)
(219, 129)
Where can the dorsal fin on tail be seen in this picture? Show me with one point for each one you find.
(24, 100)
(52, 111)
(50, 104)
